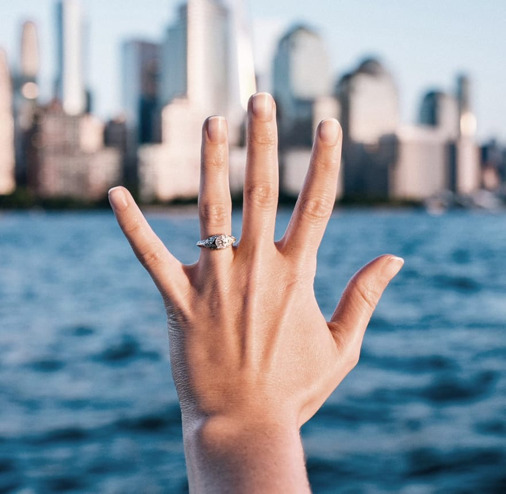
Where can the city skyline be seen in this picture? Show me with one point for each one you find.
(432, 50)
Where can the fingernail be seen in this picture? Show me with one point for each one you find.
(329, 131)
(216, 129)
(393, 266)
(262, 106)
(118, 199)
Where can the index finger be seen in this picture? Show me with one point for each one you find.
(164, 268)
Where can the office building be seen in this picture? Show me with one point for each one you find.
(301, 75)
(26, 95)
(369, 109)
(197, 56)
(440, 111)
(201, 76)
(369, 103)
(141, 62)
(72, 160)
(242, 67)
(418, 162)
(70, 83)
(140, 88)
(467, 119)
(7, 154)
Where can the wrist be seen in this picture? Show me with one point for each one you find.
(250, 451)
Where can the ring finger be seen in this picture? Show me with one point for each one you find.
(215, 205)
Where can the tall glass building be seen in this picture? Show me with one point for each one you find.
(369, 103)
(301, 75)
(196, 56)
(70, 83)
(7, 183)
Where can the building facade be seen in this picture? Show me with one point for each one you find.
(301, 76)
(26, 93)
(7, 154)
(70, 82)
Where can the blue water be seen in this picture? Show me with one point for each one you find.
(87, 403)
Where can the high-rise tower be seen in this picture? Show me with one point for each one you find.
(301, 76)
(467, 119)
(26, 93)
(242, 65)
(70, 84)
(197, 56)
(208, 58)
(7, 182)
(30, 60)
(440, 111)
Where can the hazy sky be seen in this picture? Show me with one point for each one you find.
(424, 43)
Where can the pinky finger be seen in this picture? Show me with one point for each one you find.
(164, 268)
(360, 298)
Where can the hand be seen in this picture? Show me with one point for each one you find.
(251, 353)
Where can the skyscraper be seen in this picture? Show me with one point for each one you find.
(141, 61)
(440, 111)
(70, 84)
(30, 59)
(467, 119)
(242, 66)
(196, 56)
(25, 100)
(369, 103)
(301, 74)
(369, 111)
(202, 75)
(7, 183)
(141, 64)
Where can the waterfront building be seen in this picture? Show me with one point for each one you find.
(369, 103)
(493, 164)
(418, 158)
(301, 75)
(440, 111)
(7, 153)
(467, 154)
(201, 76)
(140, 88)
(242, 66)
(115, 134)
(72, 160)
(197, 56)
(70, 83)
(467, 120)
(369, 107)
(26, 95)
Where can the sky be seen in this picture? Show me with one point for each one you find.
(425, 44)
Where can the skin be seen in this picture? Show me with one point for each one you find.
(252, 356)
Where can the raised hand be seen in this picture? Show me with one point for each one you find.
(252, 356)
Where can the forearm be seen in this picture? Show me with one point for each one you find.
(244, 457)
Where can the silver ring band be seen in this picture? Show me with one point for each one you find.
(217, 242)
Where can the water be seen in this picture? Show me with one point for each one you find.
(87, 402)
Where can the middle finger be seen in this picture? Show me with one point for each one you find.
(261, 182)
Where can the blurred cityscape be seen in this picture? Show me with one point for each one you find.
(203, 66)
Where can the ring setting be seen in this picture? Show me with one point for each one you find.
(217, 242)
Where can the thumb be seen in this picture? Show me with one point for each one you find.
(360, 297)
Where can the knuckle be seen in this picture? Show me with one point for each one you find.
(328, 162)
(353, 358)
(215, 161)
(265, 138)
(132, 227)
(151, 257)
(316, 208)
(262, 194)
(367, 293)
(216, 213)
